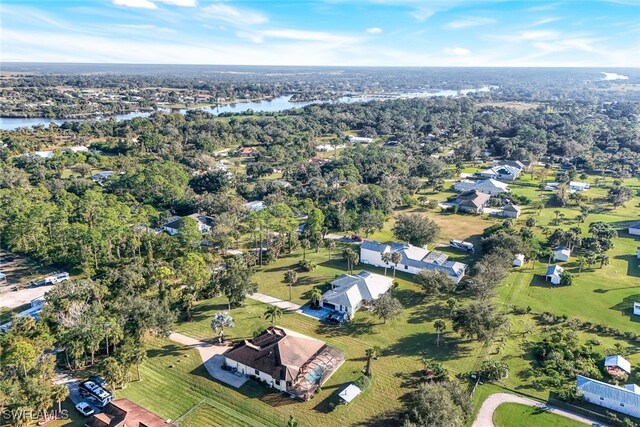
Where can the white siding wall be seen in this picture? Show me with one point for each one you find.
(371, 257)
(611, 404)
(634, 231)
(248, 370)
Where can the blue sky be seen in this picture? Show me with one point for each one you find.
(604, 33)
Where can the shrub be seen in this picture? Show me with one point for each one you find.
(306, 265)
(363, 382)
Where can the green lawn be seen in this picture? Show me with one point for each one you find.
(516, 415)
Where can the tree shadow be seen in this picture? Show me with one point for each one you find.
(625, 307)
(428, 313)
(633, 264)
(424, 344)
(352, 328)
(166, 350)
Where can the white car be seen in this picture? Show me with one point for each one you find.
(85, 409)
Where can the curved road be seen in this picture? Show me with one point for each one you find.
(485, 415)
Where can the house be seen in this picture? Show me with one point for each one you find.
(636, 308)
(34, 311)
(625, 399)
(174, 223)
(101, 177)
(578, 186)
(634, 229)
(285, 360)
(44, 154)
(488, 186)
(124, 413)
(518, 261)
(281, 183)
(472, 201)
(561, 253)
(638, 252)
(348, 292)
(554, 273)
(616, 364)
(413, 259)
(78, 149)
(3, 277)
(515, 164)
(256, 205)
(360, 140)
(349, 393)
(246, 151)
(502, 172)
(511, 211)
(551, 186)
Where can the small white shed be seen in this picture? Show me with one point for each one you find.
(350, 393)
(518, 261)
(636, 308)
(561, 253)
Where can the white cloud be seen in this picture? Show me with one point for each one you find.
(469, 22)
(374, 30)
(300, 35)
(181, 3)
(456, 51)
(140, 4)
(233, 15)
(543, 21)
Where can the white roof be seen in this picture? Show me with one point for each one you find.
(577, 184)
(563, 250)
(415, 252)
(349, 291)
(618, 362)
(350, 393)
(2, 275)
(520, 257)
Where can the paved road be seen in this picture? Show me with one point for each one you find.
(285, 305)
(485, 415)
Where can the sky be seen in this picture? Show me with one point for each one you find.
(572, 33)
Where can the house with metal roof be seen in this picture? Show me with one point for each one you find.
(554, 274)
(173, 224)
(349, 293)
(561, 253)
(511, 211)
(615, 363)
(501, 172)
(413, 259)
(634, 229)
(488, 186)
(625, 399)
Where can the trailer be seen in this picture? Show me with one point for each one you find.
(461, 245)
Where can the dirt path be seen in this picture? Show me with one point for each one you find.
(485, 415)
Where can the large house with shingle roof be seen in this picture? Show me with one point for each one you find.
(414, 259)
(488, 186)
(472, 201)
(350, 292)
(285, 360)
(621, 399)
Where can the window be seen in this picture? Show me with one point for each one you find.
(257, 372)
(622, 404)
(277, 382)
(406, 267)
(602, 398)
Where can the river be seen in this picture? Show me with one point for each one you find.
(269, 106)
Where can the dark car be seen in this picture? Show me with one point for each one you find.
(37, 283)
(334, 318)
(356, 238)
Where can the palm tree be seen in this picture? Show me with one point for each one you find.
(395, 259)
(138, 356)
(352, 258)
(581, 263)
(291, 277)
(220, 321)
(60, 393)
(330, 244)
(452, 303)
(557, 212)
(440, 326)
(273, 313)
(316, 295)
(305, 244)
(386, 258)
(371, 353)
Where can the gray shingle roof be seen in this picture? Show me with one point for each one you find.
(373, 245)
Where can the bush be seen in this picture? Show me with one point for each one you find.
(363, 382)
(306, 265)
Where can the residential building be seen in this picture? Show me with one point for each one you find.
(501, 172)
(636, 308)
(488, 186)
(246, 151)
(625, 400)
(561, 253)
(101, 177)
(518, 261)
(634, 229)
(472, 201)
(515, 163)
(360, 140)
(174, 223)
(256, 205)
(578, 186)
(413, 259)
(511, 211)
(285, 360)
(349, 393)
(614, 364)
(349, 293)
(125, 413)
(554, 274)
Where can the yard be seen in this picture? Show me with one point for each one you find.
(514, 414)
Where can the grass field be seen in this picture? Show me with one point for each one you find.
(516, 415)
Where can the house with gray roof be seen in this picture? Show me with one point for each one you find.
(488, 186)
(413, 259)
(173, 224)
(472, 201)
(349, 293)
(501, 172)
(625, 400)
(554, 274)
(634, 229)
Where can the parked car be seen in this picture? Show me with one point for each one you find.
(85, 409)
(37, 283)
(356, 238)
(334, 318)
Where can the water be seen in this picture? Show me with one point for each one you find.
(269, 106)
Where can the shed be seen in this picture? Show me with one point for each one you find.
(3, 277)
(554, 274)
(634, 229)
(561, 253)
(518, 261)
(636, 308)
(350, 393)
(617, 362)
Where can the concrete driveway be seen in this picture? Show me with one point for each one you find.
(13, 299)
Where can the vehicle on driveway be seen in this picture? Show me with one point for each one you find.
(84, 408)
(357, 238)
(37, 283)
(96, 393)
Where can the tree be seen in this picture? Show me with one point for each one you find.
(396, 257)
(415, 229)
(387, 307)
(604, 260)
(618, 195)
(435, 282)
(370, 354)
(114, 372)
(290, 277)
(330, 244)
(21, 355)
(581, 261)
(292, 422)
(440, 327)
(273, 313)
(452, 304)
(305, 244)
(494, 370)
(566, 278)
(386, 259)
(352, 258)
(438, 404)
(219, 322)
(434, 371)
(480, 320)
(370, 221)
(60, 393)
(316, 295)
(235, 282)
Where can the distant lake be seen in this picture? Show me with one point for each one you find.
(268, 106)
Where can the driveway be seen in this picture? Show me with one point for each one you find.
(285, 305)
(212, 359)
(13, 299)
(485, 415)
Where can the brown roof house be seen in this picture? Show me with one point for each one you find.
(125, 413)
(472, 201)
(288, 361)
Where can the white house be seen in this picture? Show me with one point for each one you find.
(634, 229)
(413, 259)
(101, 177)
(561, 253)
(511, 211)
(554, 273)
(518, 261)
(285, 360)
(551, 186)
(174, 223)
(636, 308)
(360, 140)
(487, 186)
(501, 172)
(578, 186)
(256, 205)
(348, 293)
(625, 399)
(616, 362)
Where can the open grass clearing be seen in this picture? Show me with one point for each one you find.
(517, 415)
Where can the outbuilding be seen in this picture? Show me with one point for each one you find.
(561, 253)
(554, 274)
(518, 261)
(349, 393)
(634, 229)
